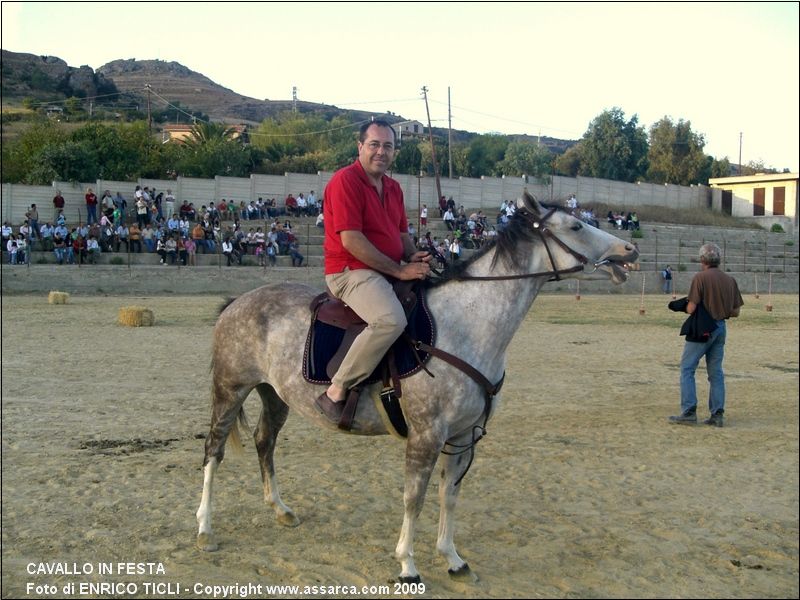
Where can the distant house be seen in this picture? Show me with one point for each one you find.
(766, 199)
(408, 129)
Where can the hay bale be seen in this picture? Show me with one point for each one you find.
(57, 297)
(135, 316)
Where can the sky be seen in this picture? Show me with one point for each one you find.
(731, 69)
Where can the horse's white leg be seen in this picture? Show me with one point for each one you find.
(454, 467)
(273, 415)
(421, 457)
(205, 537)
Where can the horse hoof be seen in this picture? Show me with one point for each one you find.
(463, 573)
(412, 579)
(206, 543)
(288, 519)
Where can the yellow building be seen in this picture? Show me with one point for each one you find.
(765, 199)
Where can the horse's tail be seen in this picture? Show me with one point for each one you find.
(233, 437)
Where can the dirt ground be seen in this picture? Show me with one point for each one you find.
(580, 489)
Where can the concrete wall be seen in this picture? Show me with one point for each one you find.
(485, 193)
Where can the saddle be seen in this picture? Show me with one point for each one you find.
(334, 326)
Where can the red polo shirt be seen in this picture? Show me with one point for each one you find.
(352, 203)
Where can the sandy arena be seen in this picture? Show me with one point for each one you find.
(580, 489)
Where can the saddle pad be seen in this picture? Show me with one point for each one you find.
(323, 341)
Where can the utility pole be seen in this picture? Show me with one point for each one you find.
(449, 137)
(149, 116)
(91, 105)
(294, 98)
(740, 153)
(433, 148)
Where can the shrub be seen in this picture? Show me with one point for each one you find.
(681, 267)
(776, 228)
(41, 260)
(637, 233)
(116, 260)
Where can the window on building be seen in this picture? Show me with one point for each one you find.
(779, 201)
(758, 202)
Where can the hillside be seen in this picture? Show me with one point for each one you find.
(175, 82)
(48, 78)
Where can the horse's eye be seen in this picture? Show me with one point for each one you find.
(576, 227)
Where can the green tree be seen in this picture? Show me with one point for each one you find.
(569, 163)
(613, 148)
(22, 157)
(409, 158)
(676, 154)
(721, 168)
(212, 150)
(526, 158)
(483, 154)
(72, 106)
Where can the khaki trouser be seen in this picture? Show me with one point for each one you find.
(373, 299)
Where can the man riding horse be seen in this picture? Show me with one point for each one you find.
(366, 238)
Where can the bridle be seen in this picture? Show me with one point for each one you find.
(544, 232)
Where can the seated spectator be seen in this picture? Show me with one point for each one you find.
(230, 253)
(191, 250)
(291, 205)
(11, 248)
(92, 249)
(121, 237)
(294, 252)
(181, 247)
(199, 237)
(161, 250)
(320, 221)
(272, 253)
(449, 219)
(148, 237)
(79, 249)
(135, 237)
(60, 249)
(171, 246)
(46, 232)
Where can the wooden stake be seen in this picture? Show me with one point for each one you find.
(769, 301)
(756, 276)
(641, 303)
(578, 289)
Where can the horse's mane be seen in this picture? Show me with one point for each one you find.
(510, 243)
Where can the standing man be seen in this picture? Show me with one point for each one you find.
(58, 204)
(91, 206)
(666, 275)
(716, 293)
(366, 238)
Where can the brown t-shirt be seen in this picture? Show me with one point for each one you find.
(718, 292)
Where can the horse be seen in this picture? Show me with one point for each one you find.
(258, 343)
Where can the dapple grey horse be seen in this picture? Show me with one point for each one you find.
(259, 341)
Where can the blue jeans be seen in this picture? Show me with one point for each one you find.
(714, 351)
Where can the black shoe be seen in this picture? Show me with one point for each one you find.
(716, 420)
(689, 418)
(330, 408)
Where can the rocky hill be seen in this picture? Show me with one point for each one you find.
(171, 81)
(50, 78)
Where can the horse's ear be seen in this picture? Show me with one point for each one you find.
(529, 203)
